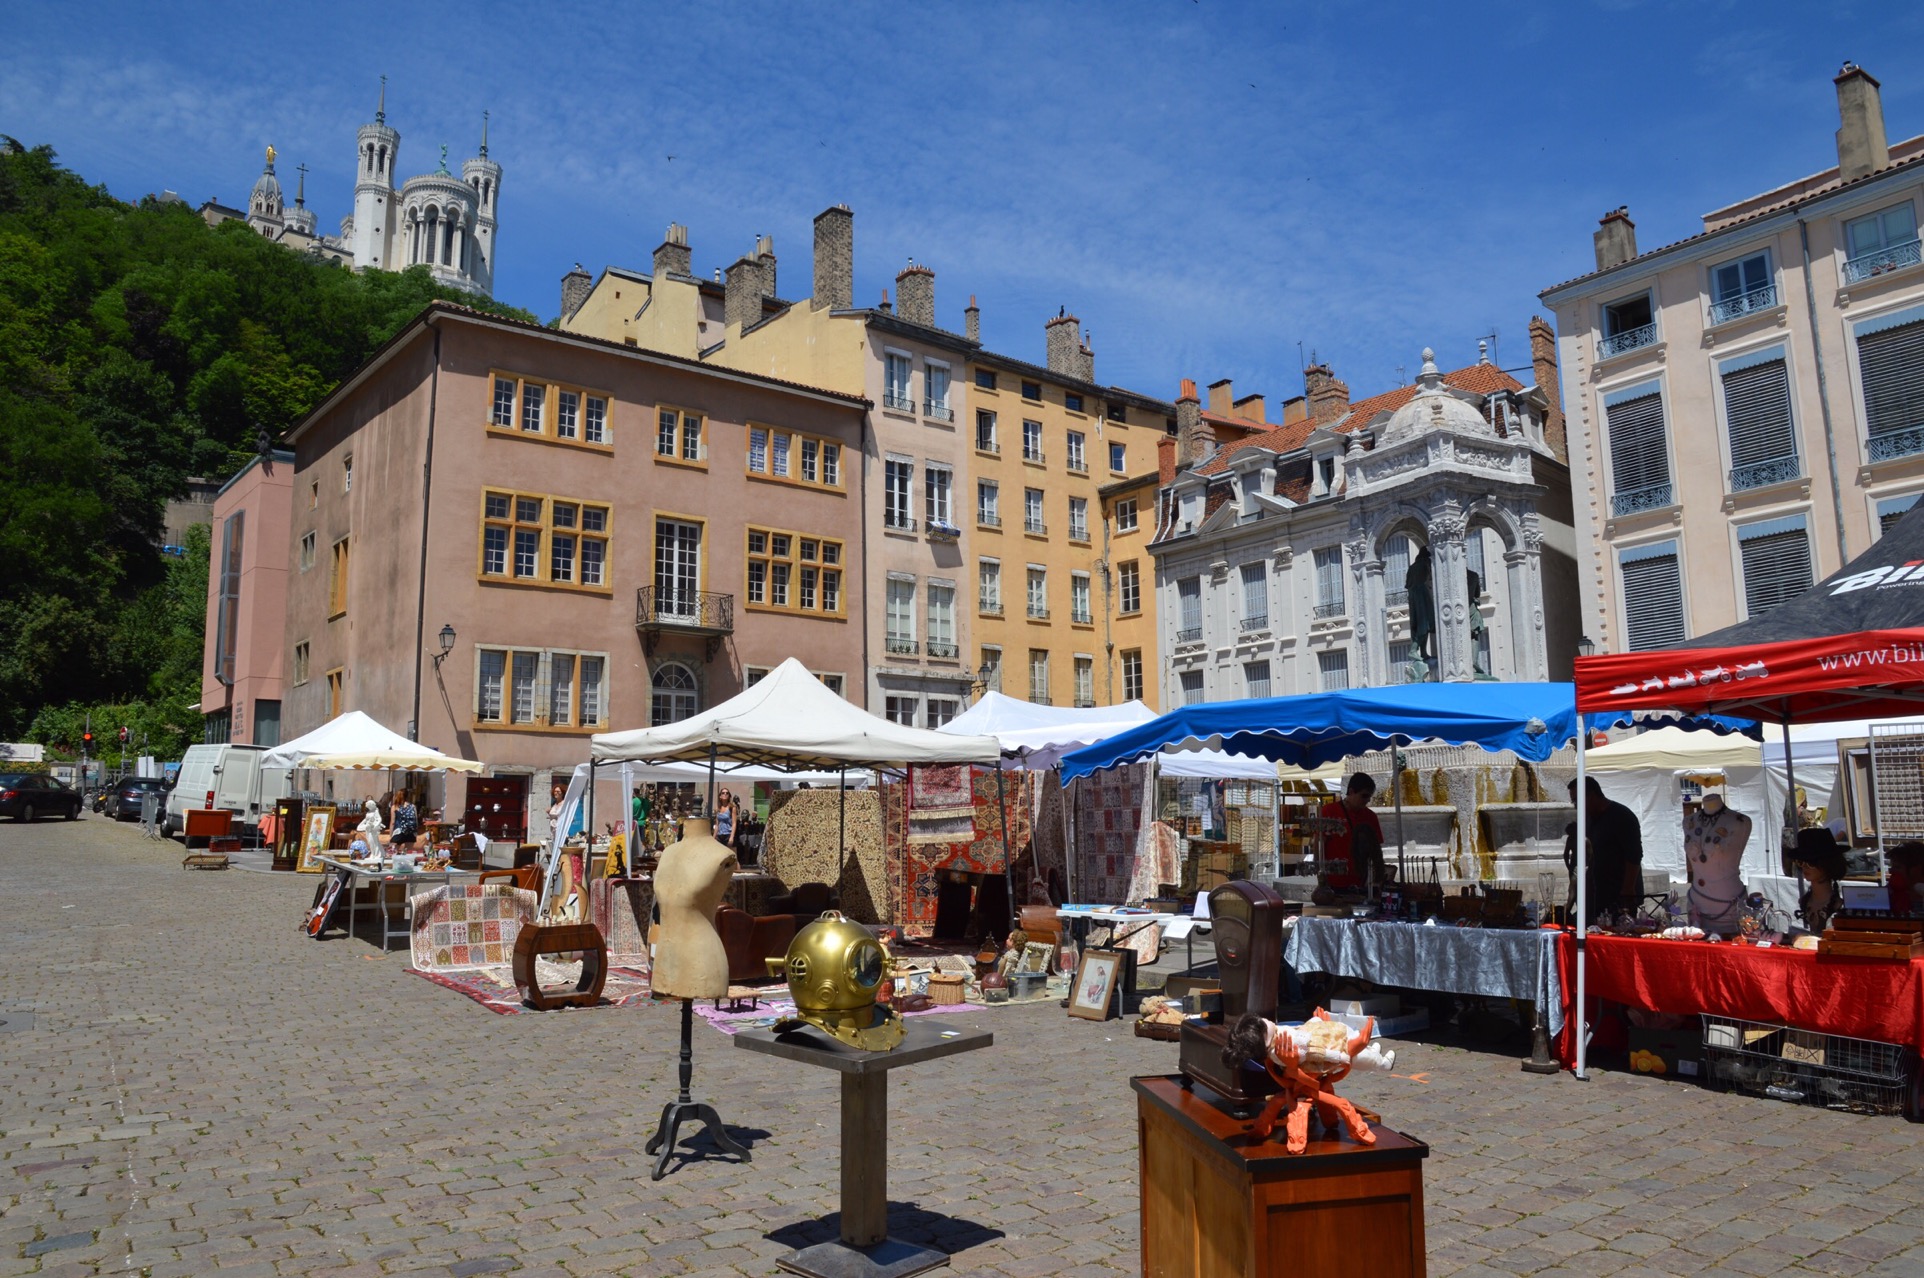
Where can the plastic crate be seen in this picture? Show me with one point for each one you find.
(1803, 1067)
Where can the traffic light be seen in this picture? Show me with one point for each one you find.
(124, 734)
(87, 741)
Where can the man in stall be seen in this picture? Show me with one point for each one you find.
(1352, 864)
(1613, 873)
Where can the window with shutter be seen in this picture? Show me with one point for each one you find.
(1189, 596)
(1652, 597)
(1396, 570)
(1763, 442)
(1892, 509)
(1890, 363)
(1776, 555)
(1639, 458)
(1333, 669)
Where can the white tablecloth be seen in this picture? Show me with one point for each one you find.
(1491, 962)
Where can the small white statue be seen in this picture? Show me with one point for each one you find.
(371, 827)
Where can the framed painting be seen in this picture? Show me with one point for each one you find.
(316, 837)
(1094, 989)
(1037, 956)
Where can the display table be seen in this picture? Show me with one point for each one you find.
(1489, 962)
(1877, 999)
(865, 1249)
(383, 881)
(1219, 1203)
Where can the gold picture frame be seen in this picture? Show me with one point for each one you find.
(1093, 992)
(1037, 956)
(317, 839)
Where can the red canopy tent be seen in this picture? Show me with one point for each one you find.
(1850, 647)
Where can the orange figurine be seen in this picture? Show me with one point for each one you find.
(1306, 1061)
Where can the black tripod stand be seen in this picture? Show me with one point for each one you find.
(685, 1108)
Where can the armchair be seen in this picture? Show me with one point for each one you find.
(805, 900)
(750, 941)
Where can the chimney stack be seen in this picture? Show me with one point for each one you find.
(742, 294)
(1861, 147)
(1191, 447)
(915, 290)
(1222, 397)
(1328, 397)
(1295, 409)
(834, 259)
(575, 287)
(672, 257)
(765, 256)
(972, 321)
(885, 308)
(1251, 406)
(1616, 238)
(1543, 362)
(1064, 337)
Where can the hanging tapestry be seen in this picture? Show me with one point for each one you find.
(801, 845)
(915, 867)
(620, 909)
(1108, 834)
(941, 808)
(468, 924)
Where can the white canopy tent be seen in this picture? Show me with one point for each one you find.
(352, 740)
(788, 722)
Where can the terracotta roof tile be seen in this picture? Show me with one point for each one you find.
(1478, 379)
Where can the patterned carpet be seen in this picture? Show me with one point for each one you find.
(493, 987)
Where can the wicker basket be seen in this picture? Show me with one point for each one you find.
(946, 988)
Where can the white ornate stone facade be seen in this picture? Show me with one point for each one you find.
(1283, 568)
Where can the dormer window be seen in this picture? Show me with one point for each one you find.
(1325, 477)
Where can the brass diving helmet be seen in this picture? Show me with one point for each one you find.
(834, 968)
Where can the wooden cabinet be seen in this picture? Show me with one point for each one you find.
(497, 807)
(1218, 1203)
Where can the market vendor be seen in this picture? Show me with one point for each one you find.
(1613, 871)
(1820, 860)
(1352, 862)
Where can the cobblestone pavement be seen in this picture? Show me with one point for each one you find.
(194, 1088)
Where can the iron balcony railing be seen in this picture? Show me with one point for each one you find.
(1085, 703)
(940, 412)
(1759, 474)
(1336, 609)
(989, 607)
(1189, 634)
(1885, 260)
(1039, 698)
(1031, 454)
(905, 403)
(1758, 299)
(942, 649)
(1628, 340)
(987, 444)
(1038, 612)
(1077, 466)
(900, 646)
(1897, 443)
(1035, 526)
(988, 519)
(1078, 532)
(892, 520)
(684, 609)
(1632, 501)
(1082, 617)
(1395, 598)
(1260, 621)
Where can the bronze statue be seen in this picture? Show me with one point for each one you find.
(1422, 606)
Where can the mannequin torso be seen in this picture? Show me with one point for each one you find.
(1714, 839)
(690, 960)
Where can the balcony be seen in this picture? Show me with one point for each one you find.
(898, 523)
(1189, 634)
(1632, 501)
(1082, 617)
(1396, 598)
(1032, 455)
(1078, 532)
(902, 647)
(940, 412)
(1882, 262)
(1039, 698)
(987, 444)
(947, 650)
(1258, 622)
(988, 519)
(1762, 474)
(1326, 610)
(1085, 703)
(901, 403)
(1038, 613)
(697, 614)
(989, 607)
(1629, 340)
(1077, 466)
(1035, 526)
(1898, 443)
(1761, 299)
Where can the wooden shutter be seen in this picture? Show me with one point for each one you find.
(1638, 458)
(1776, 556)
(1891, 365)
(1653, 598)
(1757, 414)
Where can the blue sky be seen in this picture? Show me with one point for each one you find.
(1206, 184)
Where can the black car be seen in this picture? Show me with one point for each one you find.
(26, 795)
(123, 801)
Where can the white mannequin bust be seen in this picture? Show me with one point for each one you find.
(1714, 839)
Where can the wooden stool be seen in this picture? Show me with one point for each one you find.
(562, 938)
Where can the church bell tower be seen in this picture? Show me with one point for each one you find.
(374, 204)
(484, 175)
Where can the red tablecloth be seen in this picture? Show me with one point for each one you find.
(1859, 998)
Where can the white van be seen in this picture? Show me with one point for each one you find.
(226, 776)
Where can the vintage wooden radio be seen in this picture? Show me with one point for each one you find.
(1246, 924)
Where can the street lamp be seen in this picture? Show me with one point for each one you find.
(447, 646)
(1586, 646)
(982, 677)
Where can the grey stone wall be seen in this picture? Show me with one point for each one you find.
(672, 257)
(915, 295)
(742, 293)
(575, 287)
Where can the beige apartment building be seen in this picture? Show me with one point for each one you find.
(511, 538)
(983, 515)
(1749, 401)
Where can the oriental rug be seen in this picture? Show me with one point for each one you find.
(620, 909)
(941, 804)
(915, 869)
(493, 986)
(467, 925)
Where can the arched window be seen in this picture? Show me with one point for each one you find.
(677, 696)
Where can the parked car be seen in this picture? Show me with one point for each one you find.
(27, 795)
(123, 801)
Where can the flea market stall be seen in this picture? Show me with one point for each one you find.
(1786, 1016)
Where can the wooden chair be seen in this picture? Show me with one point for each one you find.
(465, 853)
(526, 876)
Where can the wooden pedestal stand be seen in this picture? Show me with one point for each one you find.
(1219, 1203)
(865, 1250)
(686, 1108)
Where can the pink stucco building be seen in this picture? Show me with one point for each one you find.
(241, 676)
